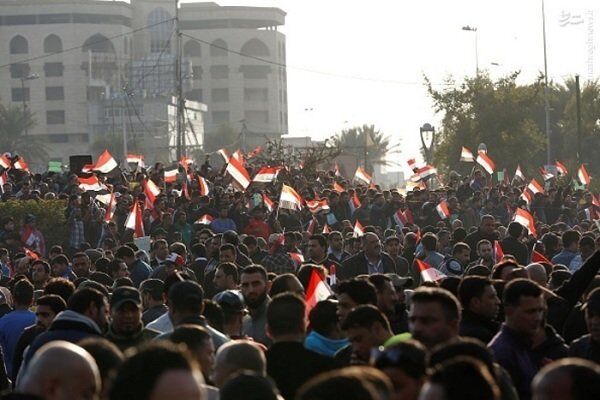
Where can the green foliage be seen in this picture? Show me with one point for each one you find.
(354, 140)
(50, 216)
(13, 124)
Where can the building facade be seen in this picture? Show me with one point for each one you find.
(89, 68)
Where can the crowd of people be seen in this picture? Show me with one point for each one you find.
(194, 289)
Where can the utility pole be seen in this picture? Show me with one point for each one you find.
(578, 97)
(123, 125)
(179, 87)
(546, 93)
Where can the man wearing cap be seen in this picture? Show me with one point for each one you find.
(126, 329)
(234, 311)
(173, 262)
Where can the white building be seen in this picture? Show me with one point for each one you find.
(69, 60)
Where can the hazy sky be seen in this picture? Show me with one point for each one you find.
(372, 55)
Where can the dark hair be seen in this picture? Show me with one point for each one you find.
(101, 265)
(179, 248)
(570, 237)
(154, 287)
(255, 269)
(281, 284)
(364, 316)
(123, 281)
(471, 287)
(214, 314)
(323, 317)
(484, 241)
(43, 263)
(159, 241)
(449, 303)
(285, 314)
(23, 293)
(114, 266)
(230, 269)
(429, 241)
(460, 246)
(518, 288)
(231, 237)
(409, 356)
(55, 302)
(249, 385)
(186, 296)
(462, 346)
(515, 229)
(319, 238)
(359, 290)
(453, 374)
(226, 247)
(60, 259)
(250, 240)
(125, 251)
(346, 383)
(80, 254)
(193, 336)
(199, 250)
(584, 376)
(137, 376)
(587, 241)
(499, 268)
(61, 287)
(81, 300)
(107, 355)
(379, 281)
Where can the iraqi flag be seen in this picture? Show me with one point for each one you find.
(547, 175)
(534, 187)
(255, 152)
(171, 174)
(443, 210)
(203, 186)
(239, 174)
(238, 155)
(353, 203)
(136, 159)
(526, 195)
(151, 191)
(486, 162)
(266, 174)
(412, 164)
(362, 176)
(561, 169)
(425, 172)
(498, 252)
(206, 219)
(106, 163)
(583, 175)
(526, 219)
(428, 273)
(135, 222)
(92, 183)
(225, 154)
(519, 174)
(466, 155)
(400, 218)
(290, 199)
(537, 257)
(268, 202)
(316, 291)
(3, 181)
(5, 162)
(111, 207)
(316, 206)
(338, 188)
(21, 165)
(359, 231)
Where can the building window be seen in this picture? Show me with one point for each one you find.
(55, 93)
(55, 117)
(194, 95)
(256, 48)
(53, 69)
(160, 25)
(255, 71)
(197, 73)
(256, 94)
(20, 94)
(58, 138)
(220, 117)
(219, 48)
(20, 70)
(219, 95)
(52, 44)
(19, 45)
(98, 44)
(192, 49)
(219, 72)
(257, 117)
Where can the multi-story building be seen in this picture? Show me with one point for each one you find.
(72, 62)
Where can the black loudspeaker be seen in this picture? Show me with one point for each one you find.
(76, 163)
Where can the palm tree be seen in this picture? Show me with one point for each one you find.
(13, 125)
(365, 142)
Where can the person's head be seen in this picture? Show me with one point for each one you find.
(286, 317)
(478, 296)
(48, 306)
(592, 314)
(587, 247)
(226, 277)
(286, 283)
(569, 379)
(392, 246)
(462, 253)
(61, 287)
(570, 240)
(366, 328)
(353, 293)
(515, 229)
(126, 254)
(22, 294)
(405, 364)
(386, 292)
(537, 273)
(236, 356)
(60, 370)
(227, 253)
(117, 268)
(347, 383)
(434, 316)
(159, 370)
(429, 241)
(199, 342)
(91, 303)
(484, 250)
(160, 248)
(126, 310)
(317, 247)
(336, 241)
(371, 244)
(487, 225)
(108, 358)
(60, 265)
(40, 272)
(151, 291)
(524, 306)
(185, 300)
(254, 285)
(323, 318)
(81, 264)
(249, 385)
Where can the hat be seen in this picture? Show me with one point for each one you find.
(229, 300)
(175, 258)
(102, 278)
(400, 281)
(124, 294)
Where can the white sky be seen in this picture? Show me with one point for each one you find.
(392, 43)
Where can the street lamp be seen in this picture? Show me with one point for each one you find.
(474, 29)
(30, 77)
(428, 140)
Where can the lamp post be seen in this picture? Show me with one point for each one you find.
(23, 79)
(474, 30)
(428, 141)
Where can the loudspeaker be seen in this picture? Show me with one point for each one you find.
(76, 163)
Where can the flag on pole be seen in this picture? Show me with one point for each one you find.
(526, 195)
(486, 162)
(266, 174)
(171, 174)
(409, 216)
(562, 170)
(537, 257)
(442, 209)
(498, 252)
(362, 176)
(526, 219)
(111, 207)
(239, 155)
(583, 175)
(134, 221)
(519, 174)
(338, 188)
(203, 186)
(400, 218)
(428, 273)
(316, 291)
(268, 202)
(5, 162)
(136, 159)
(206, 219)
(239, 174)
(289, 199)
(225, 154)
(412, 164)
(255, 152)
(595, 200)
(466, 155)
(358, 229)
(546, 174)
(151, 191)
(424, 173)
(21, 165)
(315, 206)
(92, 183)
(535, 187)
(185, 162)
(106, 163)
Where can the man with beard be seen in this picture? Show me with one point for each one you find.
(40, 274)
(126, 329)
(480, 308)
(485, 255)
(317, 251)
(255, 286)
(369, 261)
(336, 250)
(48, 307)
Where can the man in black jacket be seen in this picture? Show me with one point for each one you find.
(485, 231)
(480, 306)
(369, 261)
(512, 245)
(588, 346)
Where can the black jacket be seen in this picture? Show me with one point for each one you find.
(478, 327)
(586, 348)
(473, 238)
(357, 265)
(512, 246)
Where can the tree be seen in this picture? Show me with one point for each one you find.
(13, 125)
(365, 142)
